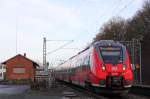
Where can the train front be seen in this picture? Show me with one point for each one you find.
(113, 66)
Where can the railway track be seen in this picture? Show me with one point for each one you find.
(94, 95)
(141, 90)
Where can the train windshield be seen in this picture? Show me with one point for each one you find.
(111, 54)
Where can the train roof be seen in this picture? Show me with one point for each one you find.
(107, 43)
(98, 43)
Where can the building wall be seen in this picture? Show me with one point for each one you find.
(19, 68)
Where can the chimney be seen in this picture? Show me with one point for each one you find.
(24, 54)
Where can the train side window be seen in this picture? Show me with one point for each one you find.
(88, 62)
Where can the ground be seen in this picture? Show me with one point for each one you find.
(24, 92)
(58, 92)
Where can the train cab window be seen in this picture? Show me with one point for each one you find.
(111, 54)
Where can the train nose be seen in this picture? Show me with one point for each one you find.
(114, 82)
(115, 71)
(127, 83)
(114, 68)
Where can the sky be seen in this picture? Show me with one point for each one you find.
(24, 23)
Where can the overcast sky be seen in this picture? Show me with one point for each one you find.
(77, 20)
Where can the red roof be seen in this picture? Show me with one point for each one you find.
(34, 63)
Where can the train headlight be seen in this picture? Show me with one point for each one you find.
(124, 67)
(103, 67)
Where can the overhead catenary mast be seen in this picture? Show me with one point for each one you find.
(16, 35)
(44, 55)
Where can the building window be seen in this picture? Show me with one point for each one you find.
(19, 70)
(4, 66)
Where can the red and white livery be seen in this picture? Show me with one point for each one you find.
(105, 64)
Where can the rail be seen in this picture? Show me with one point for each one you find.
(140, 90)
(82, 90)
(94, 95)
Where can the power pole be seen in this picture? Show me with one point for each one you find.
(49, 79)
(140, 64)
(44, 55)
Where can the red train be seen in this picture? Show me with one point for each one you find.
(105, 64)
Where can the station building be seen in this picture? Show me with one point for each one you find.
(20, 67)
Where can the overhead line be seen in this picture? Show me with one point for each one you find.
(59, 47)
(59, 40)
(114, 6)
(125, 7)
